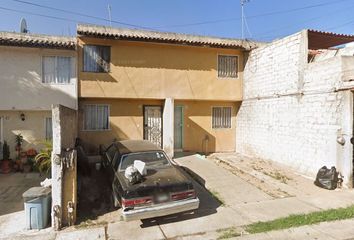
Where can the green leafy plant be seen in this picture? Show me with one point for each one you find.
(19, 140)
(6, 151)
(43, 160)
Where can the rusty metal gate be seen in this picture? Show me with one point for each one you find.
(153, 124)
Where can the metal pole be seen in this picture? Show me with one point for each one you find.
(110, 16)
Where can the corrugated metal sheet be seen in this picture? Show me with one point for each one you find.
(323, 40)
(37, 41)
(163, 37)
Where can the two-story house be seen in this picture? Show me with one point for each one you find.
(36, 72)
(179, 91)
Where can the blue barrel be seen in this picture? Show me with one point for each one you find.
(37, 202)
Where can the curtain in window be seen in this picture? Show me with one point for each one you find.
(221, 117)
(49, 69)
(96, 58)
(227, 66)
(96, 117)
(63, 69)
(48, 129)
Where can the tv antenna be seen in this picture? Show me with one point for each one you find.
(243, 20)
(23, 26)
(110, 15)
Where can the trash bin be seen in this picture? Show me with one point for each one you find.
(37, 202)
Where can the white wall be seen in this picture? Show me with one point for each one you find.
(291, 112)
(21, 86)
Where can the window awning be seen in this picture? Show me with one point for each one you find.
(324, 40)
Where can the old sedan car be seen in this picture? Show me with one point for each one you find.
(164, 189)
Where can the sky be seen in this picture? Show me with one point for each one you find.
(266, 19)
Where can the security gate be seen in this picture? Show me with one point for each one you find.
(153, 124)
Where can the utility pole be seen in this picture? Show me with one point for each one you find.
(243, 16)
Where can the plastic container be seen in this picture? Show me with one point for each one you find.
(37, 202)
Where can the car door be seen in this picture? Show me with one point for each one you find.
(109, 157)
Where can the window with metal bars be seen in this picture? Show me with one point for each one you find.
(221, 117)
(97, 58)
(227, 66)
(96, 117)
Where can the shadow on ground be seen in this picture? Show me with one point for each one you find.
(94, 194)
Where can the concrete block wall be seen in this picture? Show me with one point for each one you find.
(291, 112)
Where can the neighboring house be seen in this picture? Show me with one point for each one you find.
(36, 72)
(297, 106)
(179, 91)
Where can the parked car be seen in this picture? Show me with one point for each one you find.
(163, 189)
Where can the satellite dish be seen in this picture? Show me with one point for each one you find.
(23, 26)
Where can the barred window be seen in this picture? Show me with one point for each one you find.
(221, 117)
(96, 117)
(227, 66)
(56, 69)
(97, 58)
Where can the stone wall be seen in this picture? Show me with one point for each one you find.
(292, 112)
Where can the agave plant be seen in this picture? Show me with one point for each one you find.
(43, 160)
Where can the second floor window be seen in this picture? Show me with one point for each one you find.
(96, 58)
(56, 69)
(227, 66)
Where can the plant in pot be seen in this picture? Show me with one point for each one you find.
(43, 160)
(30, 154)
(5, 166)
(19, 160)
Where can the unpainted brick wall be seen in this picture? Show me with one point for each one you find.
(291, 112)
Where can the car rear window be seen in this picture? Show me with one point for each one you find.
(153, 159)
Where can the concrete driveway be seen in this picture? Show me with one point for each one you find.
(12, 186)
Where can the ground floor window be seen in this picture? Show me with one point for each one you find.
(48, 128)
(96, 117)
(221, 117)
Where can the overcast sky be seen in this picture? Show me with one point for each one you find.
(267, 19)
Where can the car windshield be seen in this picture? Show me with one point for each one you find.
(153, 159)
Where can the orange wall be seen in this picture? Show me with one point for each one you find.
(126, 122)
(158, 71)
(197, 125)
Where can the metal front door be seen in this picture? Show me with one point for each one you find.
(178, 128)
(153, 124)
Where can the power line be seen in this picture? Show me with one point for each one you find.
(81, 14)
(264, 35)
(253, 16)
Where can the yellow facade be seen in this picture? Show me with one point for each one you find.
(158, 71)
(143, 74)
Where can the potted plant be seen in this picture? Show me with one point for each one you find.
(5, 166)
(30, 155)
(19, 159)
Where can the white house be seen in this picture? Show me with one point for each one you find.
(297, 104)
(36, 72)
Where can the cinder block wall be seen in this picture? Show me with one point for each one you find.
(290, 112)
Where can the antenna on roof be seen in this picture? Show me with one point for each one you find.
(23, 26)
(109, 15)
(243, 16)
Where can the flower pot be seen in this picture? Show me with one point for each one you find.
(5, 166)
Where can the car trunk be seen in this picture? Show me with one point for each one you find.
(157, 183)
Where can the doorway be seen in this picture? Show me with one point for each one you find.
(178, 128)
(153, 124)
